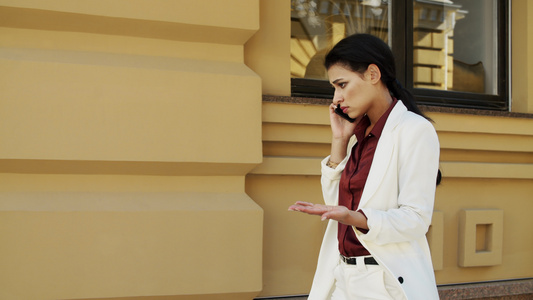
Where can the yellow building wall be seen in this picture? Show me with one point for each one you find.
(482, 206)
(522, 61)
(124, 150)
(138, 161)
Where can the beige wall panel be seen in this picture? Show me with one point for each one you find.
(90, 42)
(486, 156)
(307, 166)
(130, 253)
(81, 106)
(37, 166)
(295, 113)
(267, 52)
(485, 141)
(111, 236)
(296, 133)
(291, 240)
(487, 170)
(229, 13)
(235, 33)
(469, 123)
(101, 183)
(295, 149)
(288, 166)
(522, 60)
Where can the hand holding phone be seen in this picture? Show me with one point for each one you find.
(339, 112)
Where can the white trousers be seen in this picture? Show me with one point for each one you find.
(368, 282)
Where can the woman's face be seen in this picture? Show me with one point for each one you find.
(354, 91)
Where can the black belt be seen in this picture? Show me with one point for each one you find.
(352, 260)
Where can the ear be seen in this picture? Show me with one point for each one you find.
(373, 73)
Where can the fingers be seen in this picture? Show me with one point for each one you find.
(304, 203)
(294, 208)
(301, 208)
(310, 208)
(324, 217)
(300, 204)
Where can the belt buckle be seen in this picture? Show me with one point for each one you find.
(353, 260)
(349, 260)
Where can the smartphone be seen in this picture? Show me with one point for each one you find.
(339, 112)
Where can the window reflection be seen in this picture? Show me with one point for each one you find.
(316, 25)
(455, 42)
(455, 45)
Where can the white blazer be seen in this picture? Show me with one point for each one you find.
(398, 201)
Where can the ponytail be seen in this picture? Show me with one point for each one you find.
(397, 90)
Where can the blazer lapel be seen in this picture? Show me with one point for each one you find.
(383, 154)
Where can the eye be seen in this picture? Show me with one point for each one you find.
(342, 85)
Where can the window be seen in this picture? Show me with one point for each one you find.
(449, 52)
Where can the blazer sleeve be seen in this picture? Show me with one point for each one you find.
(417, 166)
(330, 178)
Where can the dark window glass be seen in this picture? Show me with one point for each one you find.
(450, 53)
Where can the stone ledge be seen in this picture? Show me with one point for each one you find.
(511, 289)
(423, 108)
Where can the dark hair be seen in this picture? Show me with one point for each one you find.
(358, 51)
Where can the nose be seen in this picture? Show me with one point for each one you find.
(337, 97)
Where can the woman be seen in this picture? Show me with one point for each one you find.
(379, 187)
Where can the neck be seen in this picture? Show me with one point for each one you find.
(381, 104)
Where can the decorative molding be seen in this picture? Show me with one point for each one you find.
(311, 166)
(480, 237)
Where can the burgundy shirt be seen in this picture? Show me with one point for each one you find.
(354, 177)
